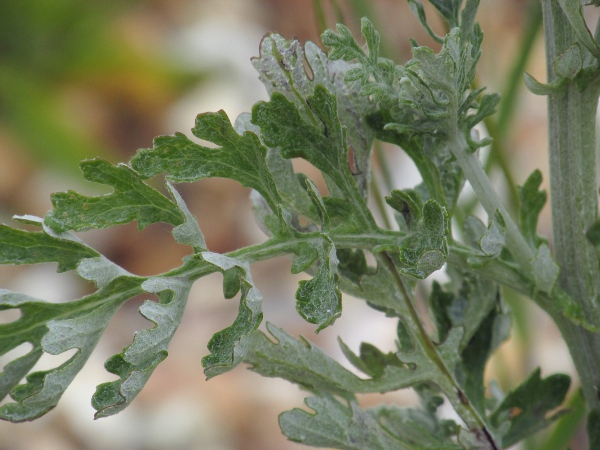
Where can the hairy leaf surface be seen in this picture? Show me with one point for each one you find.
(227, 347)
(241, 158)
(334, 424)
(135, 363)
(53, 328)
(132, 199)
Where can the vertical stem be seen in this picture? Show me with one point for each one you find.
(573, 187)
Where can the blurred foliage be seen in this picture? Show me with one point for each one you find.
(50, 46)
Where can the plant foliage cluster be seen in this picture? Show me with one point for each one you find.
(328, 109)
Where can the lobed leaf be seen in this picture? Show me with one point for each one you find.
(135, 363)
(526, 408)
(241, 158)
(378, 76)
(323, 143)
(23, 247)
(228, 347)
(281, 68)
(132, 199)
(416, 6)
(335, 425)
(303, 363)
(53, 328)
(544, 269)
(531, 203)
(422, 429)
(425, 249)
(574, 13)
(289, 184)
(319, 300)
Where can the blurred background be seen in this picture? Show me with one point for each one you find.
(80, 79)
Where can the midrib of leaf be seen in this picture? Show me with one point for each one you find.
(445, 380)
(81, 306)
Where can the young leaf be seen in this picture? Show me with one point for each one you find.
(492, 241)
(319, 300)
(487, 242)
(425, 250)
(336, 425)
(132, 199)
(135, 363)
(240, 158)
(449, 9)
(573, 12)
(545, 270)
(526, 408)
(288, 183)
(227, 347)
(408, 204)
(322, 144)
(531, 203)
(569, 63)
(416, 6)
(281, 69)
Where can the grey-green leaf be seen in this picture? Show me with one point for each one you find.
(227, 347)
(53, 328)
(527, 407)
(336, 425)
(23, 247)
(569, 63)
(421, 428)
(132, 199)
(319, 299)
(241, 158)
(544, 268)
(135, 363)
(531, 203)
(573, 12)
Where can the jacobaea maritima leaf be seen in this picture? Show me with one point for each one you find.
(282, 67)
(227, 346)
(531, 203)
(53, 328)
(336, 425)
(527, 408)
(132, 199)
(425, 248)
(319, 299)
(241, 158)
(321, 142)
(22, 247)
(149, 347)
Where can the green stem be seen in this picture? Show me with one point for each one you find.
(573, 185)
(473, 170)
(380, 203)
(450, 386)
